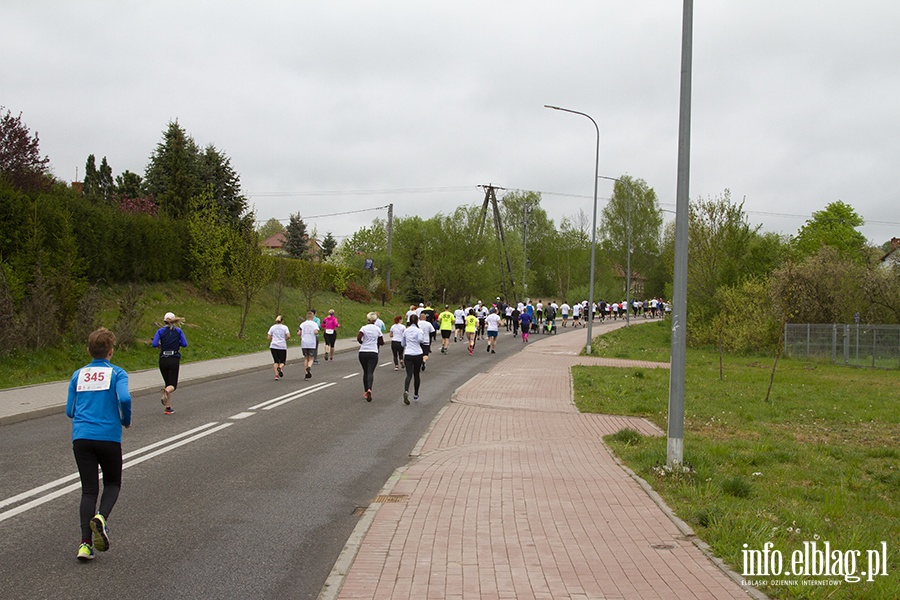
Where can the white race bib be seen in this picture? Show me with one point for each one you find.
(94, 379)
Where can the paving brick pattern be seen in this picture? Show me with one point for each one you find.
(513, 495)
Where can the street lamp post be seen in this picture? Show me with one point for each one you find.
(594, 225)
(628, 250)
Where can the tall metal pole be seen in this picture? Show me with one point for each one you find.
(590, 321)
(675, 445)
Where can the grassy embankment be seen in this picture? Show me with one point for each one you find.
(211, 329)
(819, 462)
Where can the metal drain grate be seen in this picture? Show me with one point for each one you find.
(384, 499)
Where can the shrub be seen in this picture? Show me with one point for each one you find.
(357, 293)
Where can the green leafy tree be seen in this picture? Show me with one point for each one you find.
(296, 237)
(529, 241)
(367, 242)
(250, 270)
(572, 251)
(834, 226)
(270, 228)
(21, 163)
(210, 237)
(824, 287)
(633, 206)
(720, 240)
(310, 280)
(172, 176)
(341, 280)
(882, 289)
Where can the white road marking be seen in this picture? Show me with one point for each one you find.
(151, 451)
(300, 395)
(242, 415)
(292, 395)
(76, 486)
(62, 480)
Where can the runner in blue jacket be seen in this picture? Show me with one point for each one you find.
(99, 405)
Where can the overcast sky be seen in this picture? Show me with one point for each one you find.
(335, 106)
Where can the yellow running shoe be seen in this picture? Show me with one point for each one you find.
(101, 533)
(85, 552)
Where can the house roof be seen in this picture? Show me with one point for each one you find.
(895, 244)
(276, 242)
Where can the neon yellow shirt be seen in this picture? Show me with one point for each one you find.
(471, 324)
(446, 318)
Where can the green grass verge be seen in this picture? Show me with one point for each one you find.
(819, 462)
(211, 329)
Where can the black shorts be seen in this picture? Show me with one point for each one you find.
(279, 355)
(445, 333)
(426, 349)
(330, 338)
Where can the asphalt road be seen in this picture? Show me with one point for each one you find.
(250, 490)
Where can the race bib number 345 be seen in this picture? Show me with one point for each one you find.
(94, 379)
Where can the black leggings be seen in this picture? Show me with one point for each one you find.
(413, 366)
(397, 350)
(368, 360)
(89, 454)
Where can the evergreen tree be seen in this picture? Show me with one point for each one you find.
(129, 185)
(328, 246)
(297, 243)
(91, 186)
(106, 186)
(172, 175)
(215, 170)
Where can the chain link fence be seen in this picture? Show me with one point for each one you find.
(873, 346)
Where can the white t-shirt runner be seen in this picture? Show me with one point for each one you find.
(279, 333)
(308, 331)
(370, 334)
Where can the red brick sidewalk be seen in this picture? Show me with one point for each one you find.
(512, 494)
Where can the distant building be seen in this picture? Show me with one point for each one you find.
(638, 281)
(892, 257)
(275, 245)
